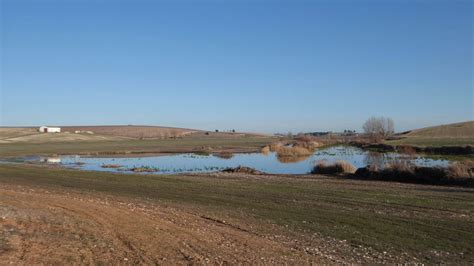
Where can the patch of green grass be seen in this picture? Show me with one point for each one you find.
(406, 218)
(435, 142)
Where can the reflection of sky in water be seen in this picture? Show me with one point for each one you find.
(268, 163)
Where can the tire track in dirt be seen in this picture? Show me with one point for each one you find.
(76, 228)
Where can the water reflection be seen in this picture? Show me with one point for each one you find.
(376, 159)
(291, 159)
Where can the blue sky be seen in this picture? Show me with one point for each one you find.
(267, 66)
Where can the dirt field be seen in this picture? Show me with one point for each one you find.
(137, 132)
(53, 227)
(53, 215)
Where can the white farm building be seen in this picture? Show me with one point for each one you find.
(45, 129)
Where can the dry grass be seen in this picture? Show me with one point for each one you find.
(457, 130)
(462, 169)
(13, 132)
(309, 145)
(339, 167)
(288, 151)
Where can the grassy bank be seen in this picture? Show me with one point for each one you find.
(385, 216)
(134, 146)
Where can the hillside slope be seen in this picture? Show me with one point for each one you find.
(457, 134)
(457, 130)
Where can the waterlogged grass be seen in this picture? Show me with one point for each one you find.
(403, 218)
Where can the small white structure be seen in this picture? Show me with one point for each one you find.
(45, 129)
(52, 160)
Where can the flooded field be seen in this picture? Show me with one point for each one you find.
(269, 163)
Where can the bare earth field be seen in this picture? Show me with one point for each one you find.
(44, 226)
(137, 132)
(53, 215)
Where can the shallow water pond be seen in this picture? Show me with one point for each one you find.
(270, 163)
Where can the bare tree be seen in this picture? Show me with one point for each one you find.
(379, 128)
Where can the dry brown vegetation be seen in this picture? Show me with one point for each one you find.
(339, 167)
(292, 151)
(297, 150)
(462, 169)
(459, 173)
(225, 155)
(265, 150)
(242, 170)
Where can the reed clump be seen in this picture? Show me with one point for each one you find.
(336, 168)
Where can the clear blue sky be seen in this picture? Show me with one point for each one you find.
(268, 66)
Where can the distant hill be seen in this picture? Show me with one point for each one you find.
(131, 131)
(457, 130)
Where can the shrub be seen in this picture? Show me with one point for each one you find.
(339, 167)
